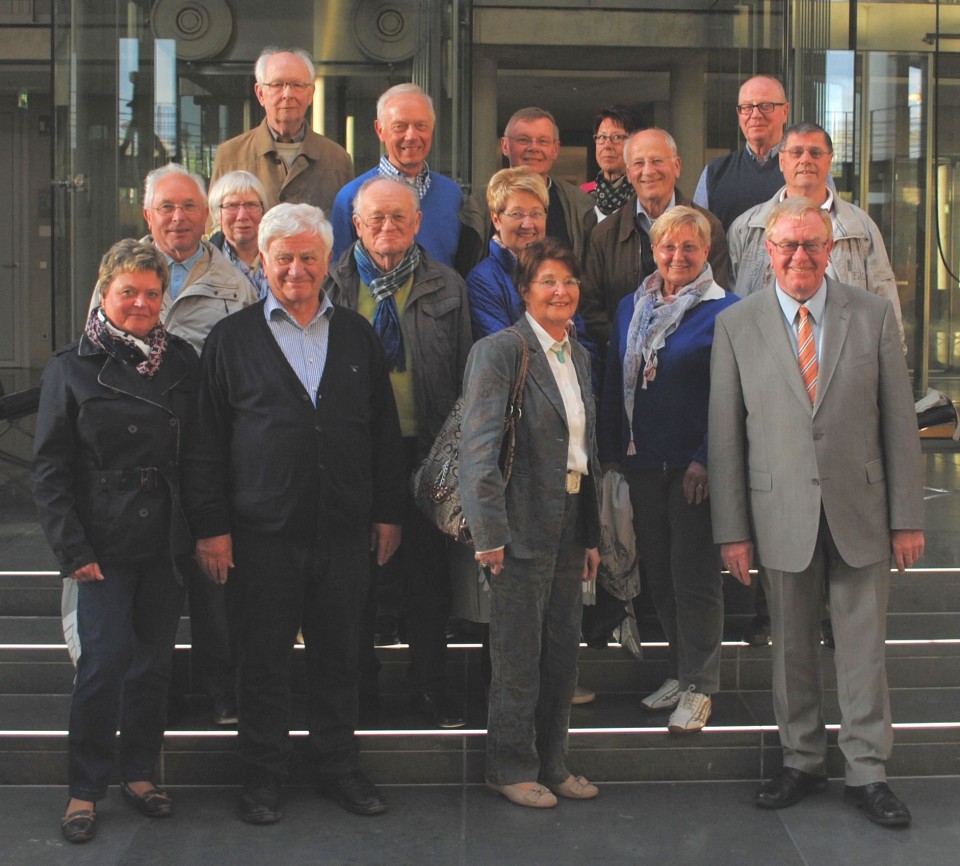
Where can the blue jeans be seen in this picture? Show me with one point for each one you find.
(127, 625)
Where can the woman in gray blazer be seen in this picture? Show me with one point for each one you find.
(537, 535)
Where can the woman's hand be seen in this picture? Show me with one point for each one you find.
(88, 572)
(384, 540)
(591, 562)
(696, 488)
(215, 556)
(492, 559)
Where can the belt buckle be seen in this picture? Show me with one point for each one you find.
(573, 482)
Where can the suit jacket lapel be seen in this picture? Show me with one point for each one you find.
(773, 326)
(836, 321)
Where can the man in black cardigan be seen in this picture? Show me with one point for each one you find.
(296, 476)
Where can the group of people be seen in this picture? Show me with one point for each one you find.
(240, 418)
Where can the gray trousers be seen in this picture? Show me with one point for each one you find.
(858, 608)
(535, 611)
(682, 567)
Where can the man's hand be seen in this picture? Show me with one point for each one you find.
(696, 487)
(737, 558)
(907, 545)
(215, 556)
(492, 559)
(90, 571)
(384, 540)
(591, 562)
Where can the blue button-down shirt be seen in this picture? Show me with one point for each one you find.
(304, 347)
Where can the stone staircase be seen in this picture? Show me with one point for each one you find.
(610, 740)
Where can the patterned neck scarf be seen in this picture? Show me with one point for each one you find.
(258, 279)
(145, 354)
(383, 286)
(421, 183)
(611, 194)
(655, 318)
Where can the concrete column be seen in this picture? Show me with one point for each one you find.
(687, 122)
(486, 135)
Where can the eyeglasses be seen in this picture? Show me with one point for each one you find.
(797, 152)
(789, 248)
(616, 138)
(280, 86)
(526, 141)
(248, 206)
(552, 284)
(189, 208)
(745, 109)
(379, 220)
(686, 249)
(520, 215)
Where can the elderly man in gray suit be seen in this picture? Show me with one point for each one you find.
(815, 468)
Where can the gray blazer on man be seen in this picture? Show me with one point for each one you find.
(774, 459)
(527, 515)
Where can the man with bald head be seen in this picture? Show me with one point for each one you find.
(418, 307)
(294, 163)
(731, 184)
(405, 124)
(620, 255)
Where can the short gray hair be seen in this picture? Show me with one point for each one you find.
(285, 220)
(361, 195)
(171, 168)
(671, 142)
(399, 90)
(260, 67)
(530, 115)
(234, 183)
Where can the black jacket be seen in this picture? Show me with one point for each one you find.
(107, 453)
(266, 461)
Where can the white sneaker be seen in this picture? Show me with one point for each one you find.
(663, 698)
(691, 713)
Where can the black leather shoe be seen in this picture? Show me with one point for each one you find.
(355, 793)
(789, 786)
(79, 825)
(224, 709)
(260, 802)
(879, 802)
(154, 803)
(437, 709)
(757, 632)
(386, 631)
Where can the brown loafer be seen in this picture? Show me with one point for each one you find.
(576, 788)
(521, 793)
(79, 826)
(154, 803)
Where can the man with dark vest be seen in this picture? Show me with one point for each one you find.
(731, 184)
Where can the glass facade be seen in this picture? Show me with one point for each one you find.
(138, 82)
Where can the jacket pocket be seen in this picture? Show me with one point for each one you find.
(761, 481)
(875, 471)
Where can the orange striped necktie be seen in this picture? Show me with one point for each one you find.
(807, 353)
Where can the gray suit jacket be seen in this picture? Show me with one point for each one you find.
(525, 517)
(774, 459)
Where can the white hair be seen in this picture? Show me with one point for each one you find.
(171, 168)
(260, 67)
(361, 195)
(234, 183)
(400, 90)
(285, 220)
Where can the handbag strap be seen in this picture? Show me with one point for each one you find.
(515, 406)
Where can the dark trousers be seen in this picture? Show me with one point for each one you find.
(212, 652)
(278, 586)
(535, 611)
(421, 567)
(682, 566)
(127, 625)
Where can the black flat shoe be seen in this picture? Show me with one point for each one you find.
(437, 709)
(260, 802)
(879, 803)
(355, 793)
(79, 825)
(788, 787)
(154, 803)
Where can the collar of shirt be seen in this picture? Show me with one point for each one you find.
(815, 305)
(271, 305)
(827, 205)
(186, 263)
(545, 339)
(421, 183)
(644, 217)
(179, 271)
(296, 137)
(771, 154)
